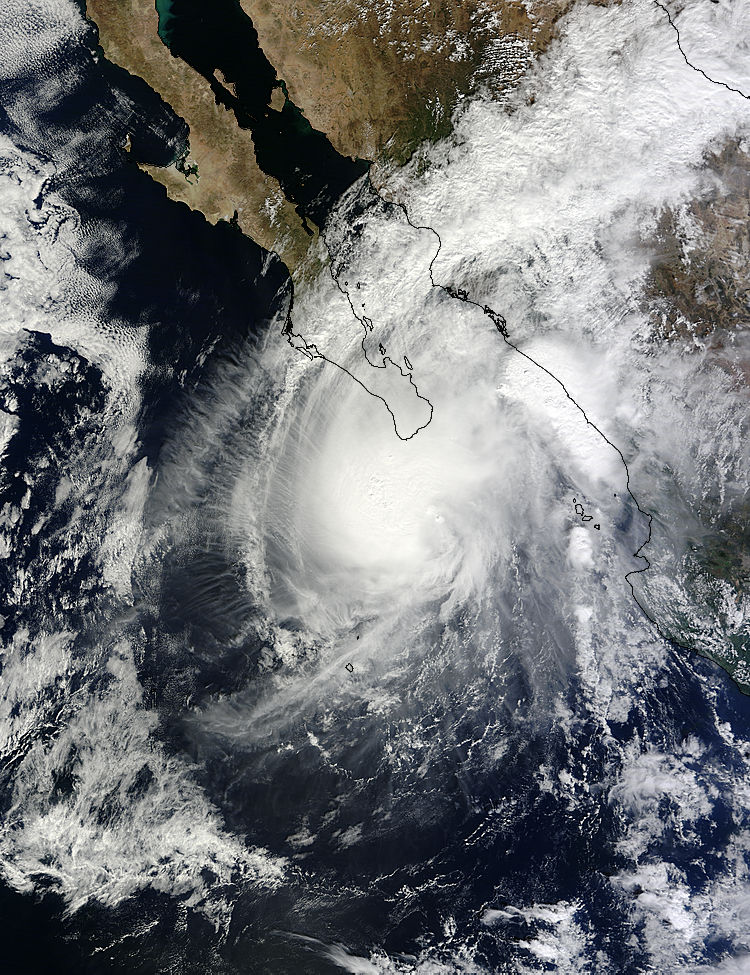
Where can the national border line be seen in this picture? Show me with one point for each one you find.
(501, 326)
(675, 28)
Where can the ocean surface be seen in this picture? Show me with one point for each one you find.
(287, 690)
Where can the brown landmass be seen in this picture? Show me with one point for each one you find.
(377, 75)
(701, 285)
(228, 177)
(378, 78)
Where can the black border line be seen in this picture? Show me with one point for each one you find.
(500, 323)
(313, 352)
(721, 84)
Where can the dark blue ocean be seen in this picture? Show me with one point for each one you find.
(472, 835)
